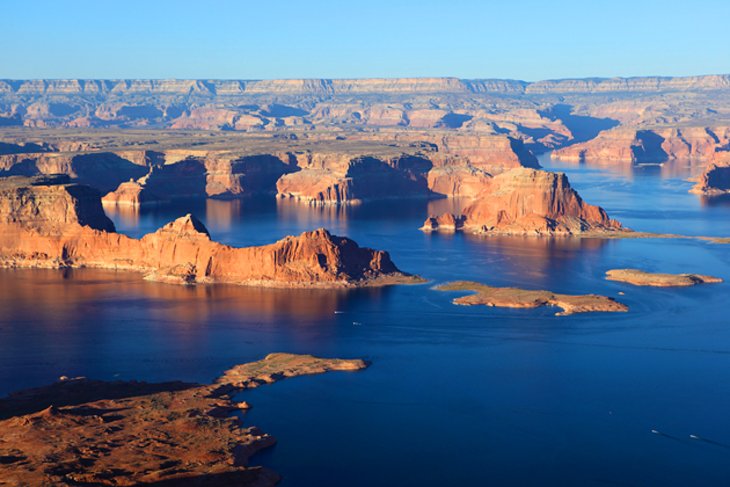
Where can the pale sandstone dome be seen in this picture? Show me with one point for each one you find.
(47, 224)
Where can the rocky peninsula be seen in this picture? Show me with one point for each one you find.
(638, 277)
(512, 297)
(50, 222)
(89, 432)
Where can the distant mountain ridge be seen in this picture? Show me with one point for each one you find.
(329, 87)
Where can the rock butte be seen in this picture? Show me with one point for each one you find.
(512, 297)
(527, 202)
(135, 433)
(47, 222)
(638, 277)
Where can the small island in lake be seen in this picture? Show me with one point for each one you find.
(512, 297)
(638, 277)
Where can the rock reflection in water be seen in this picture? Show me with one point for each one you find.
(66, 295)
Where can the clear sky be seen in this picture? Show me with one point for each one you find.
(260, 39)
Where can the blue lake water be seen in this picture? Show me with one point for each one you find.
(454, 395)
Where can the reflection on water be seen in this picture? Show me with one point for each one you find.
(222, 215)
(126, 216)
(307, 215)
(539, 260)
(677, 169)
(65, 293)
(722, 200)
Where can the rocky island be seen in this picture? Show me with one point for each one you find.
(51, 223)
(526, 201)
(512, 297)
(657, 279)
(89, 432)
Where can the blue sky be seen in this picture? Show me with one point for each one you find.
(260, 39)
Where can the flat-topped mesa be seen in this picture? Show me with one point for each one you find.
(715, 179)
(637, 146)
(529, 202)
(34, 234)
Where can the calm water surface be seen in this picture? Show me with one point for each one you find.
(454, 395)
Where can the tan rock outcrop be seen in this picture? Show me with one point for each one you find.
(52, 224)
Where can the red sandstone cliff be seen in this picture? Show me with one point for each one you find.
(54, 224)
(524, 202)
